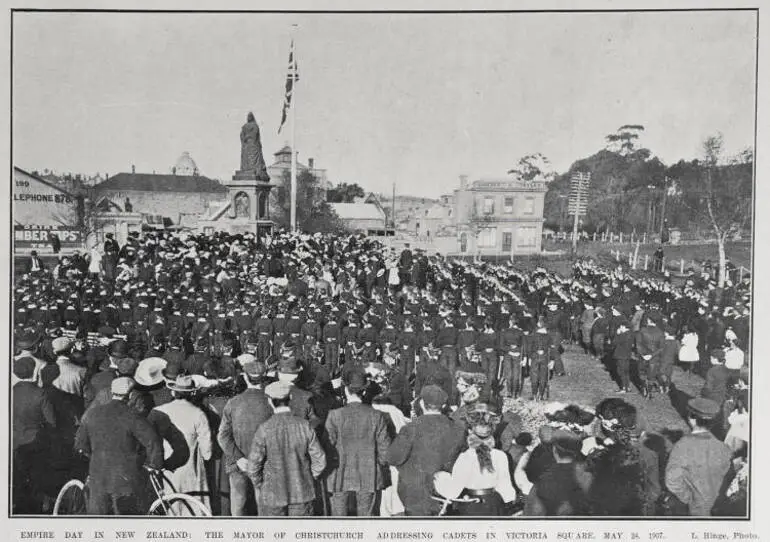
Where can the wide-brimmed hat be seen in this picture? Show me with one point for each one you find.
(150, 371)
(183, 383)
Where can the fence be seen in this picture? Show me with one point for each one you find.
(635, 261)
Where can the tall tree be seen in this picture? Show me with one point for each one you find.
(719, 193)
(314, 214)
(624, 140)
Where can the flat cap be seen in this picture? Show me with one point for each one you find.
(122, 385)
(703, 408)
(278, 390)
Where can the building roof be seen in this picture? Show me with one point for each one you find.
(44, 181)
(358, 211)
(154, 182)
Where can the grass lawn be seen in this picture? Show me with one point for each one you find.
(588, 382)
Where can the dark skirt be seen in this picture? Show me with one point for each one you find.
(486, 502)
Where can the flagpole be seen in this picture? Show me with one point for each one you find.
(294, 135)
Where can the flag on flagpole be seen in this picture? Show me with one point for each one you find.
(292, 76)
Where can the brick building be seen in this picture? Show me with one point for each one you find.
(175, 197)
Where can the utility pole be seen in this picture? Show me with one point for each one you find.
(578, 201)
(663, 208)
(393, 210)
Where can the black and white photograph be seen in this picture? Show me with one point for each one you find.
(383, 264)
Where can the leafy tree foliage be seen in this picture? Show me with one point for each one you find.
(345, 193)
(534, 167)
(314, 214)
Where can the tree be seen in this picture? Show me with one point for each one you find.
(624, 140)
(314, 214)
(344, 193)
(534, 167)
(719, 193)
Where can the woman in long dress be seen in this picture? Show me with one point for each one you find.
(187, 441)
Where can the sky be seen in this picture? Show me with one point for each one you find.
(411, 99)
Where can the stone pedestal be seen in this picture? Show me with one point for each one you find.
(249, 210)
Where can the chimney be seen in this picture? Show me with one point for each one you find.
(463, 182)
(310, 162)
(133, 168)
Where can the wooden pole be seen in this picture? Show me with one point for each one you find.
(621, 238)
(681, 267)
(646, 261)
(594, 237)
(644, 238)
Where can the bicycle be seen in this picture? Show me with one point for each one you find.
(73, 497)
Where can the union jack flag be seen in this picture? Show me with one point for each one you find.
(292, 76)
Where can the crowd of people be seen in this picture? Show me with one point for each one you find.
(328, 375)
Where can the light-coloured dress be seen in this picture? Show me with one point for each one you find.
(390, 504)
(182, 417)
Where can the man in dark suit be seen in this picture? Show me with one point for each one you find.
(241, 417)
(33, 418)
(649, 346)
(358, 435)
(116, 351)
(424, 447)
(35, 265)
(284, 460)
(121, 445)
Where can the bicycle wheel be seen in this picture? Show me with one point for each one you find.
(178, 504)
(71, 500)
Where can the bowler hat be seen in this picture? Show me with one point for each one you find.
(118, 349)
(171, 371)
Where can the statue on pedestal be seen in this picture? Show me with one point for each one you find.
(252, 160)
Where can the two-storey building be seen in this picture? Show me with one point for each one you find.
(499, 216)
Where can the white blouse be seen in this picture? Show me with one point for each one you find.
(467, 472)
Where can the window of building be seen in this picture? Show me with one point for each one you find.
(489, 205)
(488, 237)
(507, 241)
(529, 206)
(526, 236)
(508, 205)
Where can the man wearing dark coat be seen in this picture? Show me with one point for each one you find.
(241, 417)
(359, 439)
(121, 445)
(429, 444)
(33, 419)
